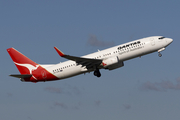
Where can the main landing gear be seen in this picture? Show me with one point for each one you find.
(97, 73)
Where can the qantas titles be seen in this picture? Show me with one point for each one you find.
(129, 45)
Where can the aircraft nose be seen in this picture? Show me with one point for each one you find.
(169, 41)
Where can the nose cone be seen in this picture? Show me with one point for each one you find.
(169, 41)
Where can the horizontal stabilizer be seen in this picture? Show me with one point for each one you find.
(21, 76)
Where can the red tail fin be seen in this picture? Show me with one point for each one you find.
(23, 63)
(30, 70)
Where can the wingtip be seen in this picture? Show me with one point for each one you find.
(59, 52)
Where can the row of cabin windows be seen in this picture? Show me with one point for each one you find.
(57, 70)
(103, 56)
(107, 54)
(97, 57)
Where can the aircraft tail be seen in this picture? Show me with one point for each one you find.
(30, 71)
(23, 63)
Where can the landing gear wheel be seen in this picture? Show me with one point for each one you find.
(160, 55)
(97, 73)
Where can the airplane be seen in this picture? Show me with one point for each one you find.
(110, 59)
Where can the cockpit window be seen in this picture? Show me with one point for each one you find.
(161, 37)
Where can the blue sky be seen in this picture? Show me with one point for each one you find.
(145, 88)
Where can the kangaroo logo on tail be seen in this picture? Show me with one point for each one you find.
(29, 67)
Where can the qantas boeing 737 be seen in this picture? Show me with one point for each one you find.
(110, 59)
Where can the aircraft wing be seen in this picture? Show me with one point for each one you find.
(88, 62)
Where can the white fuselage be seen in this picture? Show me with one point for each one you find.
(122, 52)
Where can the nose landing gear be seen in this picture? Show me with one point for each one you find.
(97, 73)
(160, 51)
(160, 55)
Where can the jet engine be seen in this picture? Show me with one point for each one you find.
(112, 63)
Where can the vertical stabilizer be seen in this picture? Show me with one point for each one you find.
(23, 63)
(30, 71)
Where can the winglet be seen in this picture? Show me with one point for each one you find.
(59, 52)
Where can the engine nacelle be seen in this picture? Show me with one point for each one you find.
(112, 63)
